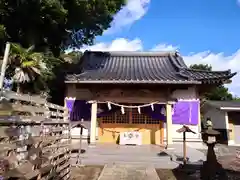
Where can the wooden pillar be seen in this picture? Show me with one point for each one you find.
(226, 120)
(199, 120)
(230, 139)
(161, 132)
(184, 149)
(65, 102)
(93, 122)
(169, 123)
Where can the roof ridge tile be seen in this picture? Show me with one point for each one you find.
(135, 53)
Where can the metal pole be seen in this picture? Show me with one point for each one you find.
(79, 163)
(4, 64)
(80, 148)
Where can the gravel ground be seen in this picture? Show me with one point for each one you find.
(93, 172)
(166, 174)
(222, 150)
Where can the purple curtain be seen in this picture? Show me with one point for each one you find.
(155, 113)
(80, 109)
(184, 112)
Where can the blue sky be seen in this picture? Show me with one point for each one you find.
(204, 31)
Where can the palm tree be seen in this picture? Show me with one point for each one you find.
(26, 65)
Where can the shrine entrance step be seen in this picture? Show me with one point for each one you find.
(127, 172)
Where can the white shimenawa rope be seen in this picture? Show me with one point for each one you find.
(125, 106)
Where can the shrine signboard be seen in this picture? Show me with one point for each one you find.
(130, 138)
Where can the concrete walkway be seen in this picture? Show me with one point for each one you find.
(128, 172)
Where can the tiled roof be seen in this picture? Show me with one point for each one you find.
(140, 67)
(208, 76)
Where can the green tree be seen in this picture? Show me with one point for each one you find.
(56, 24)
(52, 26)
(25, 66)
(68, 61)
(220, 92)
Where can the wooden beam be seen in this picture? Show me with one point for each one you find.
(93, 123)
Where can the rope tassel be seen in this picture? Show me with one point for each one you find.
(152, 106)
(109, 106)
(122, 110)
(139, 110)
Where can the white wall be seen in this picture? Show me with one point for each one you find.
(75, 132)
(179, 136)
(217, 117)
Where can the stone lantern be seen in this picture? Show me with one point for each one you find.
(210, 136)
(211, 165)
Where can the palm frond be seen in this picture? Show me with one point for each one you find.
(20, 76)
(36, 56)
(17, 49)
(36, 70)
(30, 49)
(26, 64)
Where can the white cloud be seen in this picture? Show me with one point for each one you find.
(119, 44)
(165, 47)
(238, 2)
(131, 12)
(218, 61)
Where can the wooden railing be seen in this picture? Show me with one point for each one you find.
(35, 140)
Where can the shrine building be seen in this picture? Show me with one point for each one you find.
(148, 95)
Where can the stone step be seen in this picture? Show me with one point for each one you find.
(161, 165)
(158, 163)
(121, 152)
(126, 172)
(128, 158)
(125, 155)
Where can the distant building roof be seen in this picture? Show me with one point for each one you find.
(141, 67)
(223, 105)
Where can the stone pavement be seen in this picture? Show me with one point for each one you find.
(194, 155)
(144, 155)
(128, 172)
